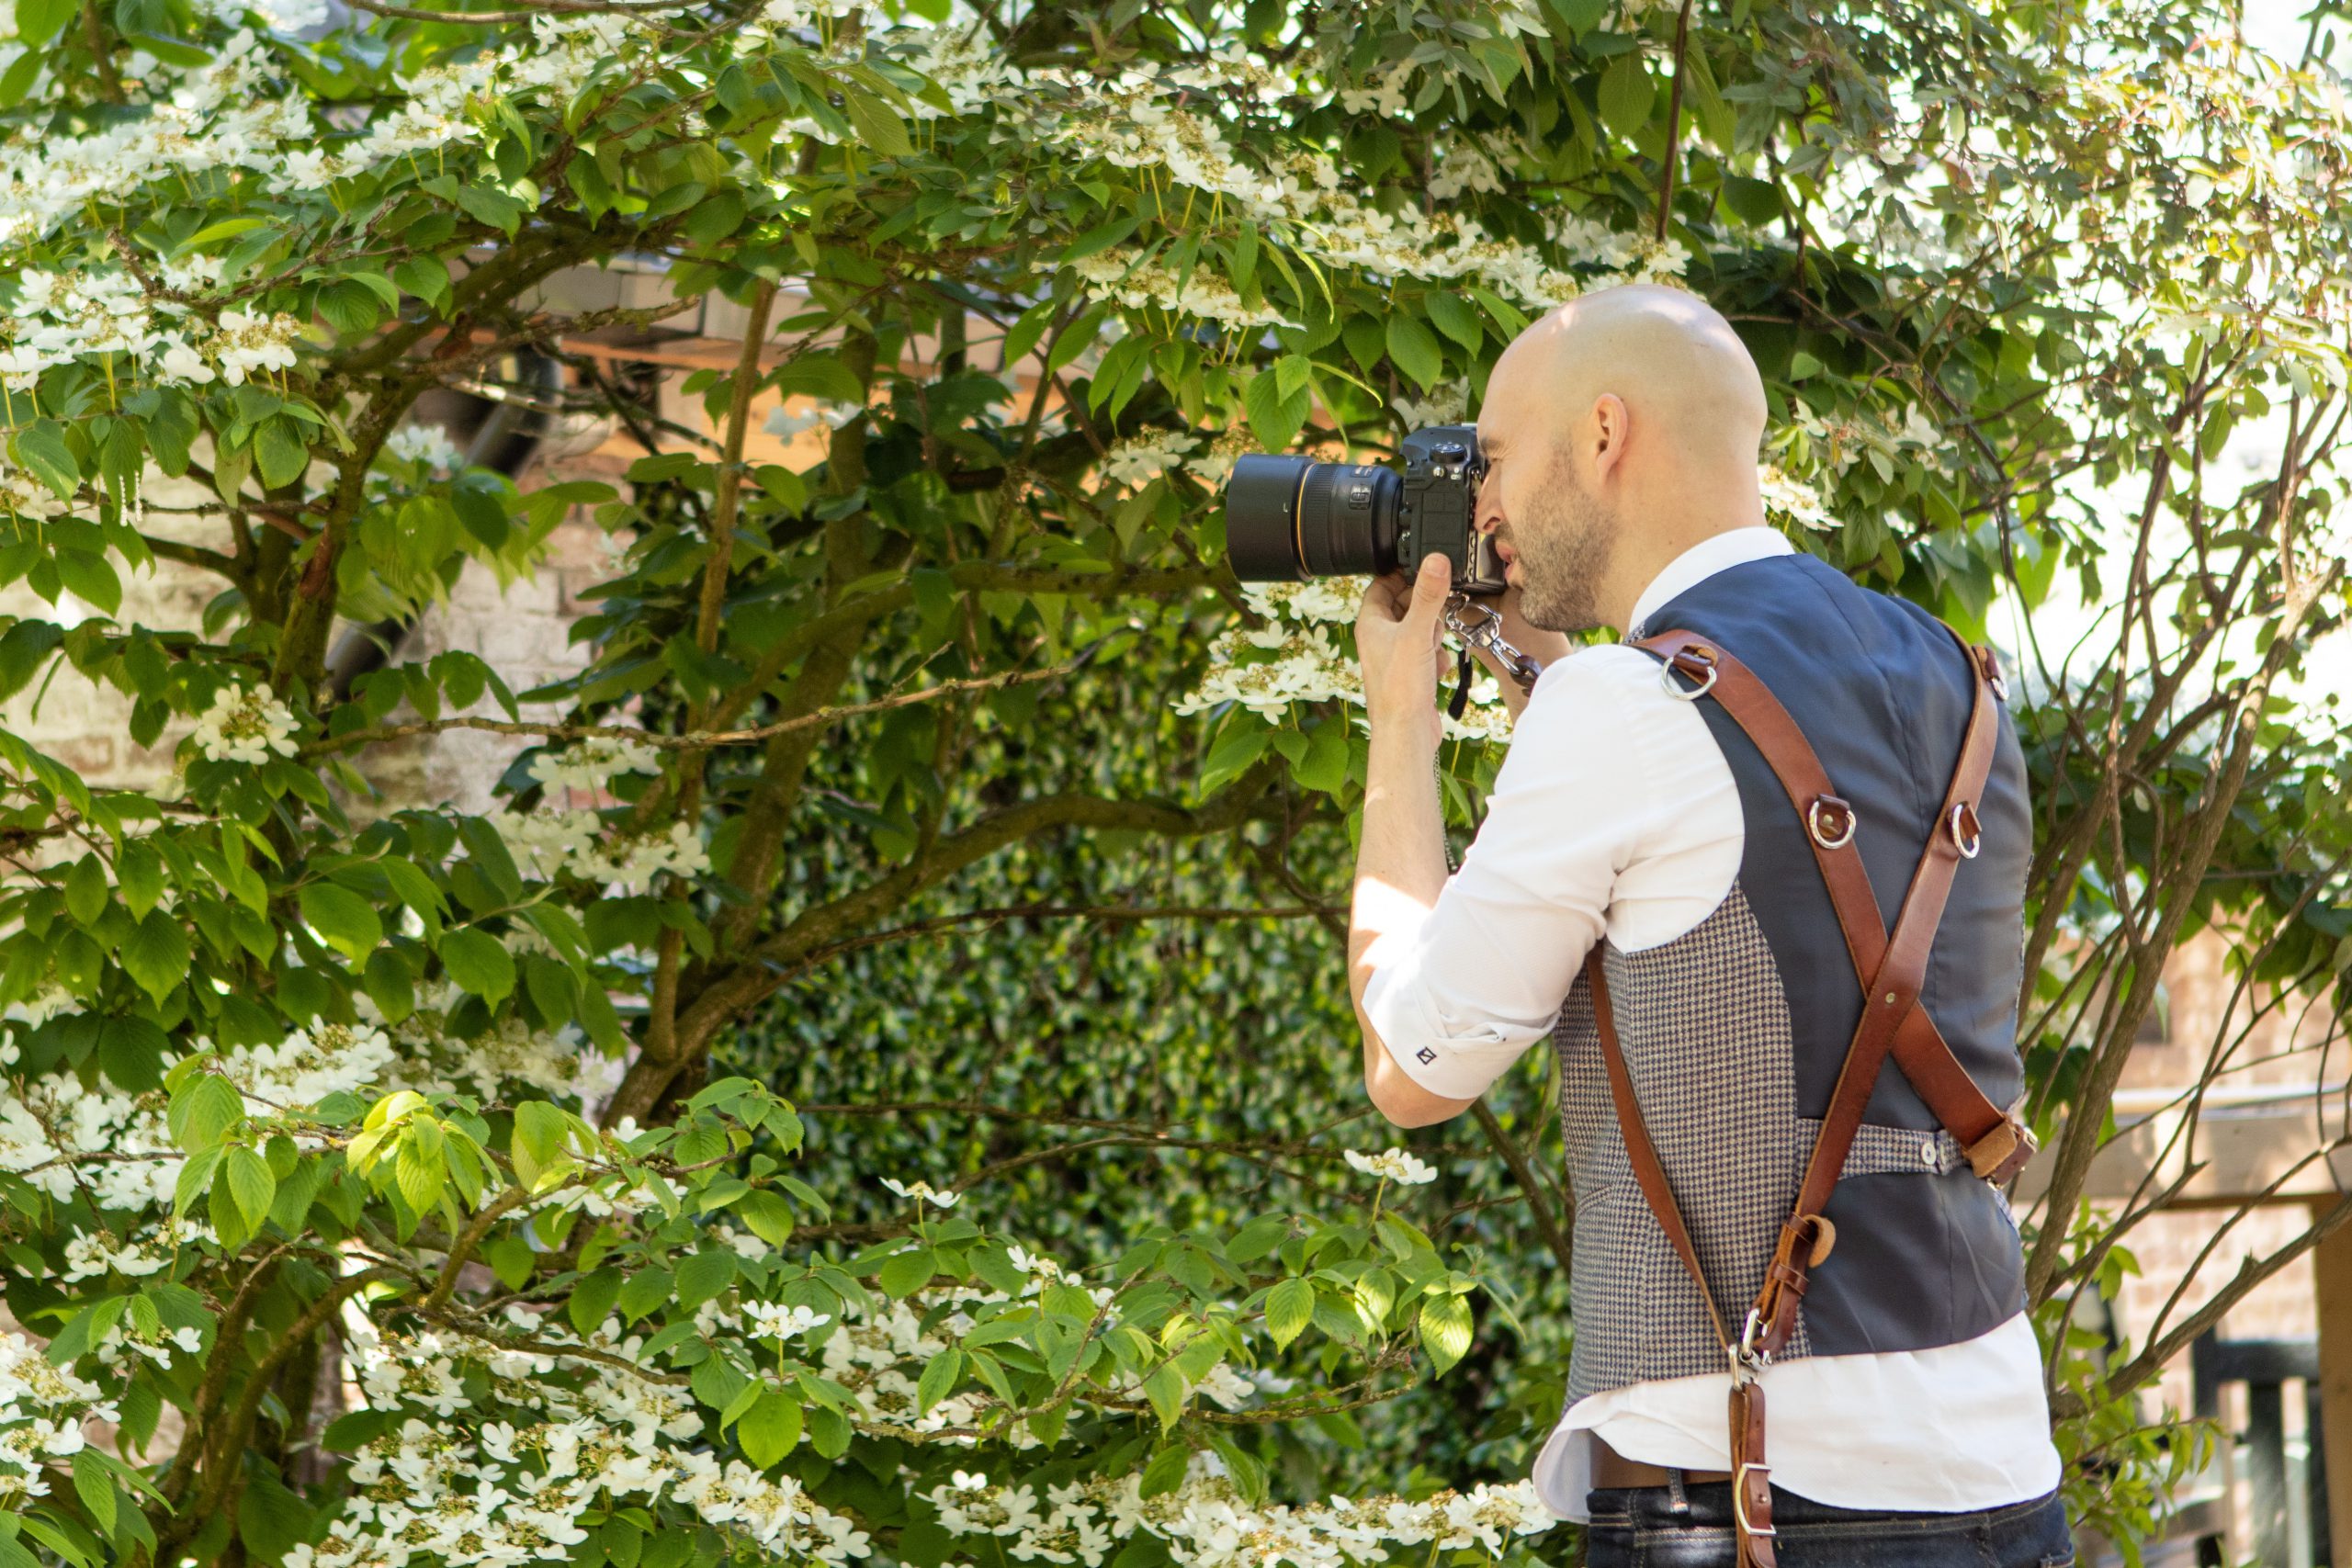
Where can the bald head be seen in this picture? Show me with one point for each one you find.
(1689, 386)
(1619, 429)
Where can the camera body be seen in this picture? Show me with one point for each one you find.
(1438, 508)
(1289, 518)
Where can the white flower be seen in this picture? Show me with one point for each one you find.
(775, 1322)
(832, 416)
(1140, 459)
(920, 1190)
(426, 444)
(245, 726)
(1393, 1164)
(591, 763)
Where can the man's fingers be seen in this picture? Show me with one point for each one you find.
(1382, 596)
(1431, 585)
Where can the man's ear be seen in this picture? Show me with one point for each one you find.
(1610, 424)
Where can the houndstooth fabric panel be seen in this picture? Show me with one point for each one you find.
(1876, 1149)
(1706, 1035)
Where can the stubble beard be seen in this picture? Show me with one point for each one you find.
(1563, 553)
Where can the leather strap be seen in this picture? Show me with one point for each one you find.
(1996, 1143)
(1639, 1152)
(1894, 969)
(1751, 1490)
(1612, 1468)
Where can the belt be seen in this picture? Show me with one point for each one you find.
(1612, 1468)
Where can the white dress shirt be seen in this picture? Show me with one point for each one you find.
(1614, 812)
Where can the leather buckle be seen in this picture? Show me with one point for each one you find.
(2000, 1154)
(1739, 1499)
(1975, 839)
(1988, 663)
(1699, 654)
(1838, 809)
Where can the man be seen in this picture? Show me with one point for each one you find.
(1633, 817)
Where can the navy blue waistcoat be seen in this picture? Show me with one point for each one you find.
(1735, 1031)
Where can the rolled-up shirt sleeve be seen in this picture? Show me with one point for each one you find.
(1459, 996)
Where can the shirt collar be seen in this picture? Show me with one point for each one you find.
(1701, 562)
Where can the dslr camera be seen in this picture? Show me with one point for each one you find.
(1290, 518)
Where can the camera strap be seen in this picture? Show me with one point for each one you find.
(1485, 631)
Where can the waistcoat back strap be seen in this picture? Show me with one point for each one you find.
(1892, 968)
(1997, 1143)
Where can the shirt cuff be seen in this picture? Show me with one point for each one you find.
(1457, 1065)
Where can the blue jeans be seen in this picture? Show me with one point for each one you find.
(1642, 1527)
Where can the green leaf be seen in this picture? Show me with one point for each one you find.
(227, 229)
(646, 1288)
(770, 1429)
(938, 1379)
(1274, 417)
(878, 125)
(1102, 237)
(1456, 320)
(1257, 1238)
(906, 1273)
(38, 19)
(1445, 1329)
(1627, 91)
(40, 447)
(202, 1109)
(704, 1275)
(716, 1381)
(1415, 350)
(130, 1053)
(487, 205)
(479, 962)
(1289, 1307)
(139, 870)
(1323, 764)
(1232, 755)
(251, 1183)
(156, 953)
(1713, 117)
(24, 648)
(279, 452)
(1165, 1472)
(592, 1298)
(346, 921)
(195, 1177)
(90, 579)
(95, 1487)
(85, 889)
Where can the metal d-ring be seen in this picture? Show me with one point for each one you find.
(1813, 822)
(1975, 839)
(1675, 688)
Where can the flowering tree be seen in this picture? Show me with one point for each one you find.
(364, 1167)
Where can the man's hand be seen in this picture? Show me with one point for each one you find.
(1398, 641)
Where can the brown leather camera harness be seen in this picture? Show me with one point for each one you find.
(1890, 967)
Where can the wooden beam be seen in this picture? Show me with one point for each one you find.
(2246, 1142)
(2332, 1273)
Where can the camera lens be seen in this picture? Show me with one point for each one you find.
(1287, 518)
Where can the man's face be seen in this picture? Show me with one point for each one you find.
(1554, 534)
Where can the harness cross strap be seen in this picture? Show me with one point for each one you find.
(1891, 967)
